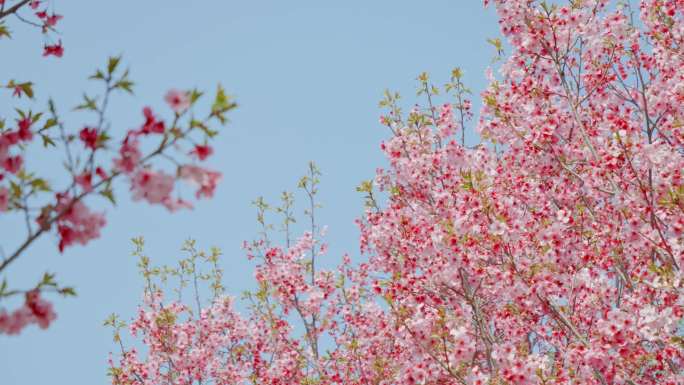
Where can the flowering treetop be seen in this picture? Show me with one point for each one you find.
(551, 253)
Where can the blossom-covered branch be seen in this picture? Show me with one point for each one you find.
(94, 159)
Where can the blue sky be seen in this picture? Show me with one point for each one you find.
(308, 76)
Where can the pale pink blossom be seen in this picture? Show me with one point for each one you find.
(204, 179)
(153, 186)
(179, 101)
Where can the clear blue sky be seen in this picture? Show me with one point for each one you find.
(307, 75)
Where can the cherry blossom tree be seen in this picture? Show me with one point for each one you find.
(549, 253)
(152, 159)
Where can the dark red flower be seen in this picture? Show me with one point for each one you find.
(24, 132)
(202, 152)
(52, 20)
(89, 137)
(101, 172)
(152, 125)
(13, 164)
(56, 50)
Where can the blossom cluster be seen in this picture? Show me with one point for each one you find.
(550, 253)
(95, 157)
(35, 310)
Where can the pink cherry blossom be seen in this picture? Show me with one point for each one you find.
(205, 180)
(85, 181)
(35, 310)
(41, 309)
(130, 155)
(76, 224)
(549, 254)
(202, 152)
(153, 186)
(51, 20)
(179, 101)
(152, 125)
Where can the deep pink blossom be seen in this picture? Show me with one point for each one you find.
(202, 151)
(88, 136)
(51, 20)
(151, 125)
(24, 130)
(85, 181)
(56, 50)
(99, 171)
(12, 164)
(41, 309)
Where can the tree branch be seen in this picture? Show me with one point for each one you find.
(13, 9)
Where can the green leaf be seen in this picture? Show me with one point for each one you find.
(4, 31)
(15, 189)
(365, 186)
(208, 132)
(110, 321)
(222, 104)
(51, 106)
(195, 95)
(47, 141)
(40, 184)
(48, 280)
(67, 292)
(49, 123)
(113, 63)
(88, 104)
(103, 138)
(97, 76)
(23, 176)
(423, 77)
(125, 84)
(497, 44)
(109, 194)
(28, 89)
(194, 123)
(36, 117)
